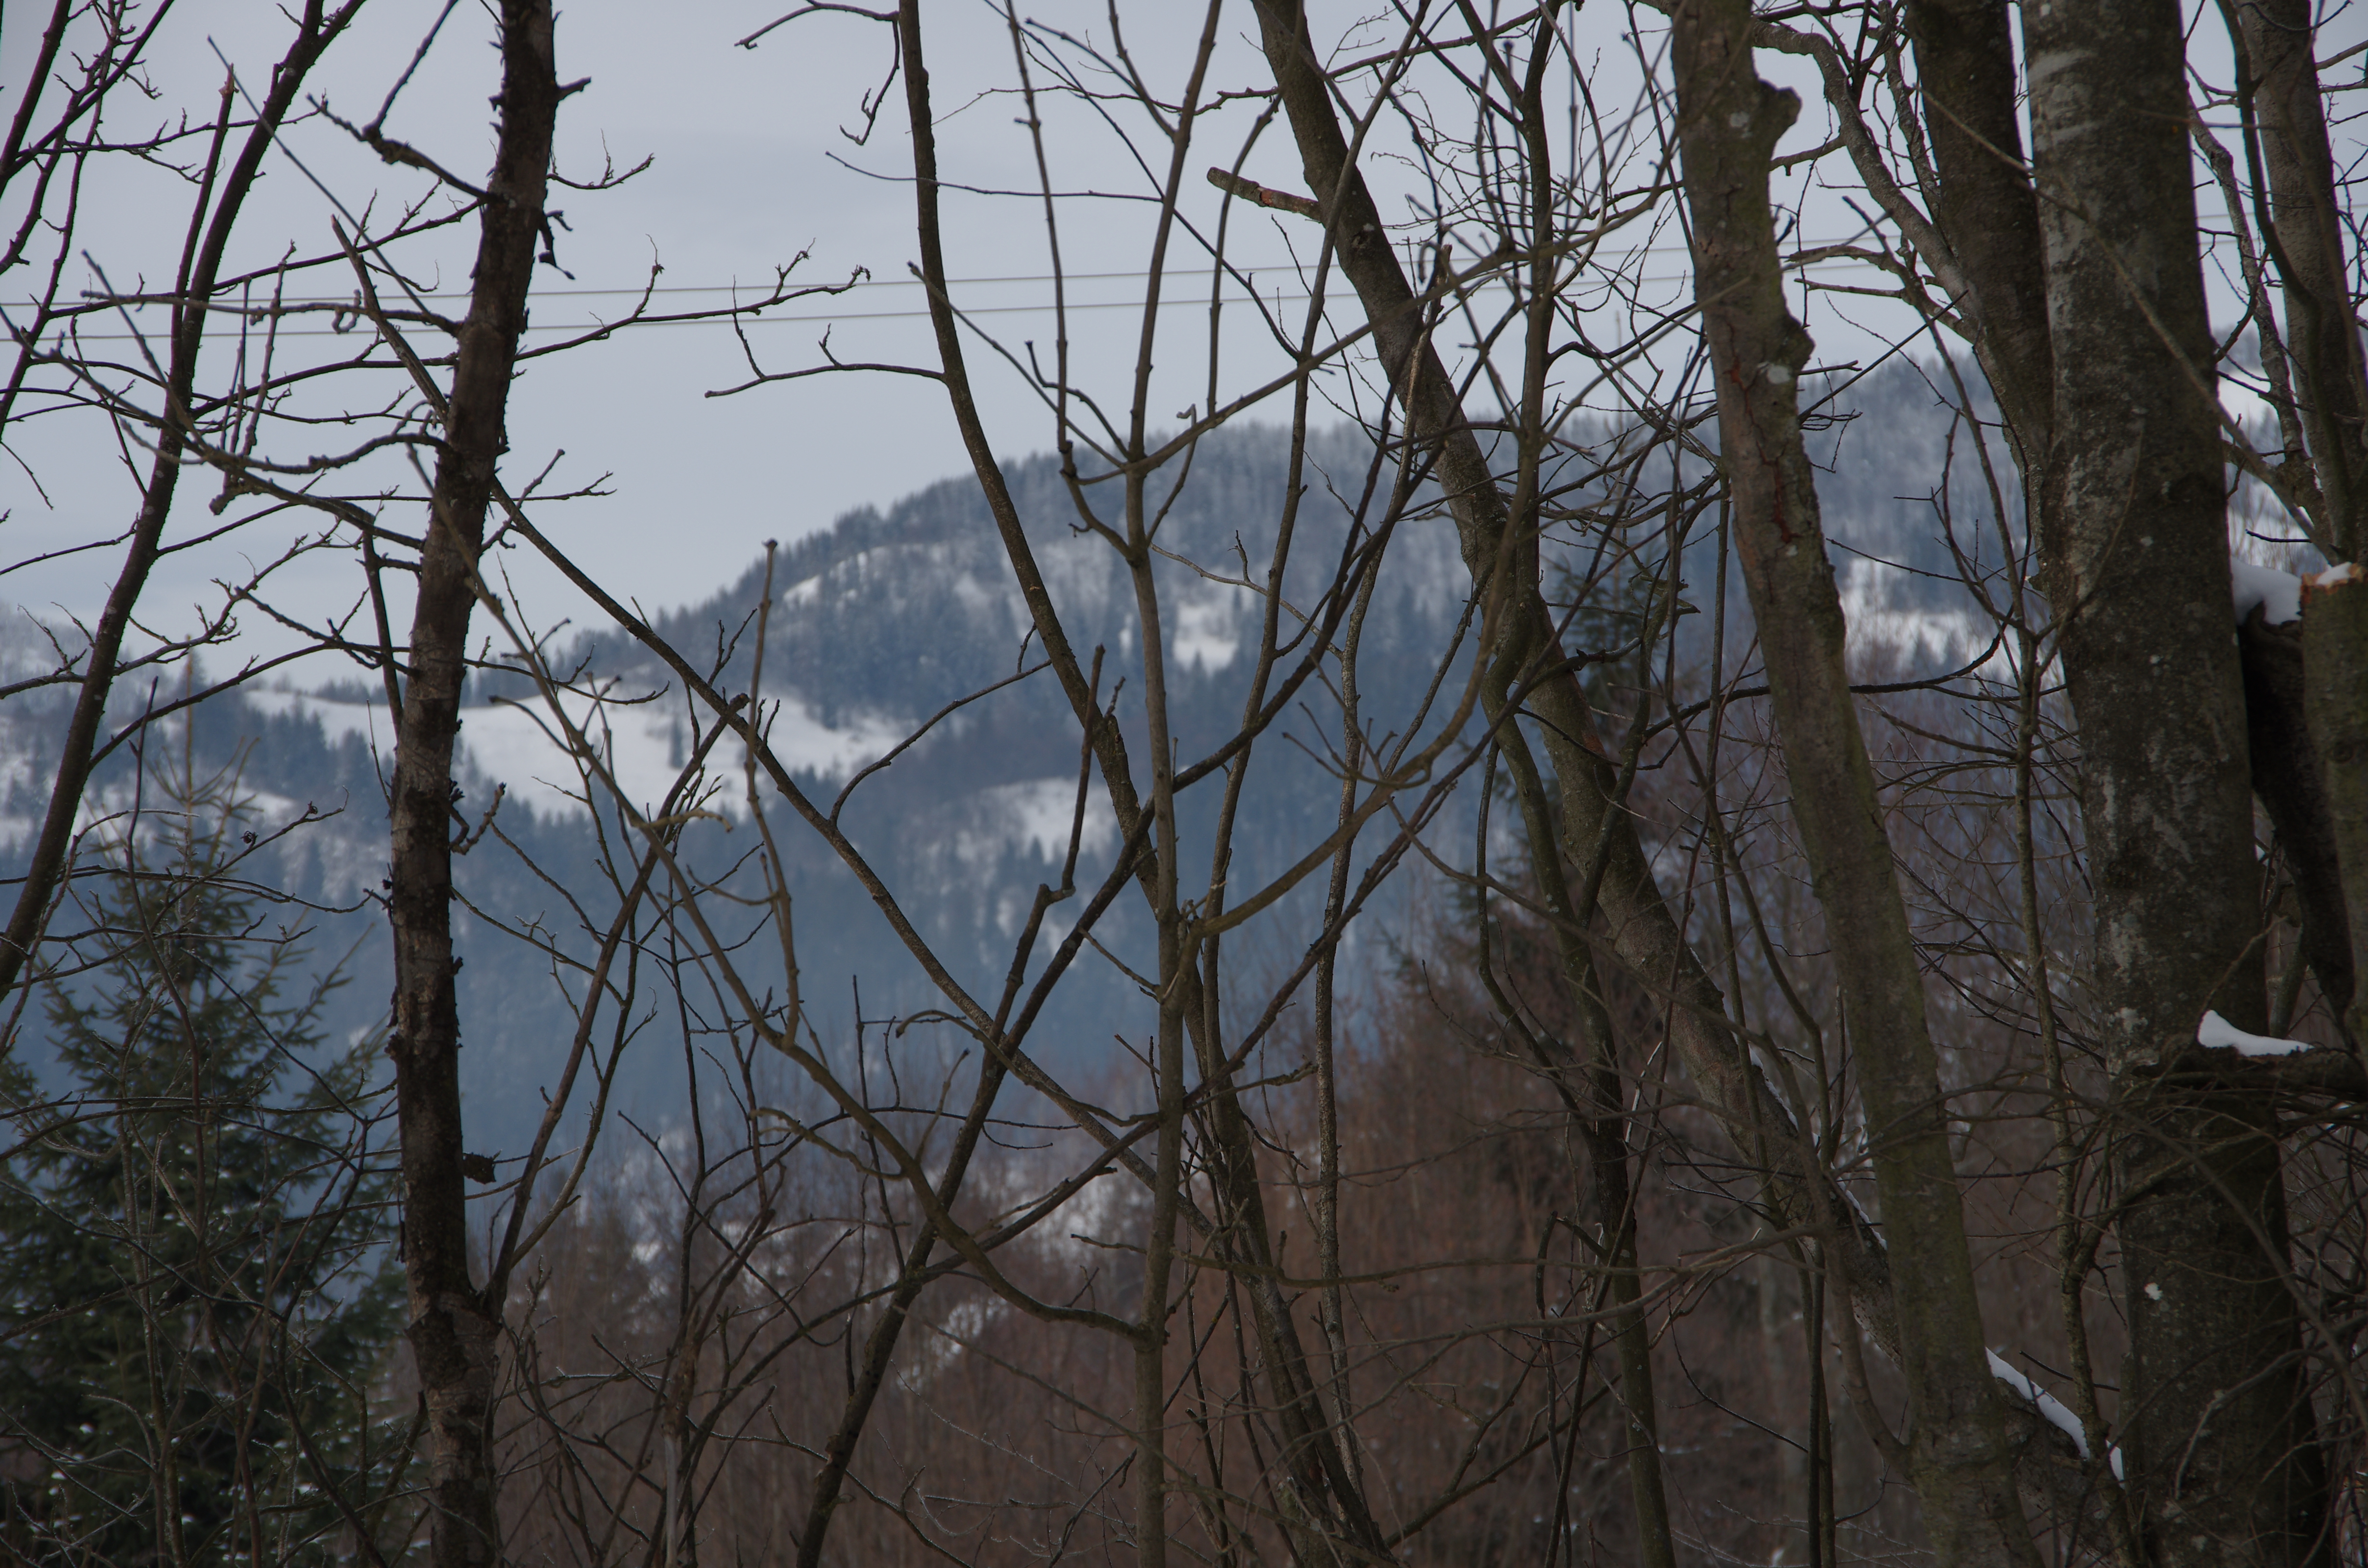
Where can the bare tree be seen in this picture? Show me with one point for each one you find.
(1753, 970)
(224, 173)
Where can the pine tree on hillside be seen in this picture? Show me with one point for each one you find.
(197, 1291)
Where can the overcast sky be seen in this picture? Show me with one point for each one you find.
(749, 168)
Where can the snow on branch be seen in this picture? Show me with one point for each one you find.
(2051, 1409)
(2279, 594)
(2217, 1033)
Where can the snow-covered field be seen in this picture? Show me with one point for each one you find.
(540, 755)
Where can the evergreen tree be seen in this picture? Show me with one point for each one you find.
(197, 1291)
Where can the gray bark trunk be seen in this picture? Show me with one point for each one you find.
(1729, 122)
(2335, 650)
(1500, 558)
(2217, 1438)
(1593, 1094)
(2294, 792)
(1643, 931)
(455, 1330)
(2305, 237)
(1985, 206)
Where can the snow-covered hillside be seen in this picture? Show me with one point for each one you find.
(877, 624)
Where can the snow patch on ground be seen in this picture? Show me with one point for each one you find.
(1080, 1230)
(858, 578)
(807, 744)
(1030, 817)
(946, 1341)
(338, 719)
(1919, 637)
(1204, 633)
(641, 745)
(29, 647)
(526, 749)
(18, 781)
(1038, 813)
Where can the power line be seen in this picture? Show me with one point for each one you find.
(755, 319)
(743, 287)
(634, 293)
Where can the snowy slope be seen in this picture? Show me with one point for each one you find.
(876, 624)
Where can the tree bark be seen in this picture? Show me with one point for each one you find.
(2294, 791)
(2304, 238)
(2335, 656)
(2217, 1435)
(1728, 124)
(1984, 207)
(454, 1329)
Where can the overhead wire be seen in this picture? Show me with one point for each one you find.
(761, 316)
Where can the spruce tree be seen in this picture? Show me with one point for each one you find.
(197, 1286)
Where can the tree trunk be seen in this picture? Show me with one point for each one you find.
(2306, 239)
(1984, 207)
(454, 1329)
(2294, 788)
(2335, 655)
(2218, 1444)
(1728, 124)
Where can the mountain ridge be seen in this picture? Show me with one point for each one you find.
(879, 623)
